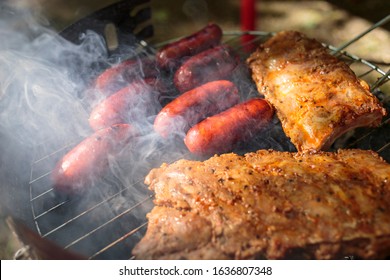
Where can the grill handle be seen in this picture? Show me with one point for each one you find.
(130, 18)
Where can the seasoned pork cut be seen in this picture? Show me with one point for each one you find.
(270, 204)
(317, 96)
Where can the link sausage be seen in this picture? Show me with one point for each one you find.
(172, 55)
(134, 103)
(119, 76)
(217, 63)
(195, 105)
(88, 161)
(221, 132)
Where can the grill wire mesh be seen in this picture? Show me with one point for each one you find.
(108, 225)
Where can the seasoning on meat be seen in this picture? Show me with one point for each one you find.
(317, 97)
(270, 204)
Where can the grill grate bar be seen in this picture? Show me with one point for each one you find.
(121, 239)
(36, 217)
(358, 59)
(365, 73)
(235, 36)
(86, 211)
(374, 26)
(54, 152)
(382, 80)
(32, 204)
(385, 122)
(384, 148)
(40, 177)
(49, 210)
(41, 195)
(108, 222)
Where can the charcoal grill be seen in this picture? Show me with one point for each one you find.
(113, 221)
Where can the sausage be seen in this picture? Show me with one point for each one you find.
(221, 132)
(171, 55)
(118, 76)
(134, 103)
(195, 105)
(87, 162)
(217, 63)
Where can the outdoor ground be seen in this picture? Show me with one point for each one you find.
(333, 22)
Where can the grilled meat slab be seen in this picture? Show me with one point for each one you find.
(317, 97)
(270, 204)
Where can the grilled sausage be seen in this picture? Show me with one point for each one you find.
(195, 105)
(118, 76)
(172, 55)
(88, 161)
(213, 64)
(221, 132)
(133, 103)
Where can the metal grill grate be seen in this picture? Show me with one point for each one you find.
(112, 219)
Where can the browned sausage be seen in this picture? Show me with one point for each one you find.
(221, 132)
(171, 56)
(133, 103)
(88, 161)
(193, 106)
(118, 76)
(217, 63)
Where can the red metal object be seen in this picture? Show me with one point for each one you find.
(248, 21)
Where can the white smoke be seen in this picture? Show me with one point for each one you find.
(42, 77)
(43, 80)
